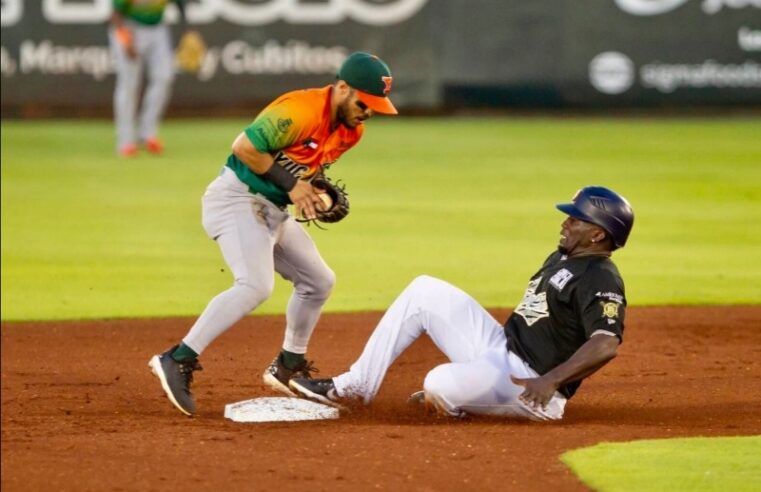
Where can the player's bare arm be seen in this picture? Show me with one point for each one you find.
(258, 162)
(593, 355)
(300, 192)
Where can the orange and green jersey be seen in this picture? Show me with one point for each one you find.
(295, 129)
(148, 12)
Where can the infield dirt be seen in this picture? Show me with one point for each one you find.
(81, 410)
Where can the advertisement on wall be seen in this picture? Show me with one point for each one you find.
(600, 53)
(667, 51)
(56, 51)
(603, 53)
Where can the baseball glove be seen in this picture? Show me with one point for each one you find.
(339, 200)
(190, 52)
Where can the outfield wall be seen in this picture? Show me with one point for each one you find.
(444, 53)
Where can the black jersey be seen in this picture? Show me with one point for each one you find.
(566, 302)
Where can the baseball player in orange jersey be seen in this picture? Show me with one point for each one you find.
(244, 210)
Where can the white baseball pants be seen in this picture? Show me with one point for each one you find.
(154, 48)
(476, 381)
(258, 239)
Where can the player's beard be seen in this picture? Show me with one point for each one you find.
(561, 245)
(342, 114)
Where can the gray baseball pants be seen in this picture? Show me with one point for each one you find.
(258, 239)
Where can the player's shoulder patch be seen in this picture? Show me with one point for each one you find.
(283, 124)
(609, 309)
(561, 278)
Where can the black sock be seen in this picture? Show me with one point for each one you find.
(291, 360)
(183, 352)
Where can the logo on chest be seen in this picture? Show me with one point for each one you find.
(533, 306)
(561, 278)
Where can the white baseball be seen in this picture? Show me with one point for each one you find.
(326, 200)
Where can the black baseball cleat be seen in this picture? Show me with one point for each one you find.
(176, 378)
(277, 376)
(319, 390)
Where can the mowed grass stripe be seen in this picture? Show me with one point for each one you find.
(88, 235)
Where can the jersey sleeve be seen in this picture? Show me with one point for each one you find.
(601, 301)
(275, 128)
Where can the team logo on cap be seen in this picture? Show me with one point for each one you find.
(387, 80)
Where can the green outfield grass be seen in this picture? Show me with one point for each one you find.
(695, 465)
(88, 235)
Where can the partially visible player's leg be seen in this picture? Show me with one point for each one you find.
(128, 75)
(483, 387)
(239, 224)
(456, 323)
(245, 229)
(298, 260)
(160, 70)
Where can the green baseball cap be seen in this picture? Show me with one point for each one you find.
(371, 78)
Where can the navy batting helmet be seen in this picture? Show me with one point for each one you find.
(602, 207)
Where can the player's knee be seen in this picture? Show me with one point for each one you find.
(439, 392)
(424, 282)
(319, 286)
(127, 85)
(162, 77)
(255, 293)
(425, 287)
(326, 282)
(435, 381)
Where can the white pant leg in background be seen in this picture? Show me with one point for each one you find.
(298, 260)
(246, 229)
(128, 77)
(159, 62)
(478, 378)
